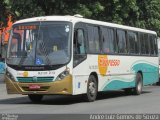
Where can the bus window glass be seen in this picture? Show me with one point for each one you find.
(151, 39)
(93, 39)
(143, 46)
(108, 40)
(16, 43)
(79, 47)
(39, 44)
(121, 38)
(133, 41)
(155, 45)
(146, 43)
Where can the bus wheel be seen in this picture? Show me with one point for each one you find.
(139, 84)
(92, 89)
(35, 98)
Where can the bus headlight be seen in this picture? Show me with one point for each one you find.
(9, 75)
(62, 75)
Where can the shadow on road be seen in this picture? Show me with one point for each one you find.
(66, 100)
(115, 94)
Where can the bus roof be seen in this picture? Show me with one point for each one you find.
(75, 19)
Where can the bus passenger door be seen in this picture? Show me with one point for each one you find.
(79, 60)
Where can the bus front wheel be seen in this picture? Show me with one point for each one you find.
(92, 89)
(35, 98)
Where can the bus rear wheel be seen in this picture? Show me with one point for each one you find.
(137, 90)
(139, 84)
(35, 98)
(92, 89)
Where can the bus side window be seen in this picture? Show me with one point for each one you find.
(108, 40)
(79, 46)
(151, 39)
(93, 39)
(122, 41)
(147, 45)
(143, 42)
(133, 42)
(155, 45)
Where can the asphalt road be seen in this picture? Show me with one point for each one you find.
(108, 102)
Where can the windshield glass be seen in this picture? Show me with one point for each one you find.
(39, 43)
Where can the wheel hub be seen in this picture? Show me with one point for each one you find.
(92, 88)
(139, 87)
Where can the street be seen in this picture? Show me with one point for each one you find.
(108, 102)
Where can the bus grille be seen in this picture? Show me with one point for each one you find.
(32, 79)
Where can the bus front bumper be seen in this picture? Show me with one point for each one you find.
(56, 87)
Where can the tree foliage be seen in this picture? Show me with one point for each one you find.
(3, 13)
(149, 17)
(137, 13)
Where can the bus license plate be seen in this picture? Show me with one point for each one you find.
(33, 87)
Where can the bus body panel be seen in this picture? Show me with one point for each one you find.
(57, 87)
(46, 80)
(115, 72)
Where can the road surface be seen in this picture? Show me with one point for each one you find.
(108, 102)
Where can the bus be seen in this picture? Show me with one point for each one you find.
(72, 55)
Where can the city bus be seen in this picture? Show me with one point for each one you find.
(72, 55)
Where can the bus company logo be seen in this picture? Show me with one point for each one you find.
(25, 74)
(104, 63)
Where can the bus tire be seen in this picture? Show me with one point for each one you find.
(92, 89)
(35, 98)
(139, 84)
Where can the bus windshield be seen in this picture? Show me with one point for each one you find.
(39, 44)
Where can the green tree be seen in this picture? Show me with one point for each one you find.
(149, 15)
(137, 13)
(3, 13)
(119, 11)
(24, 9)
(29, 8)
